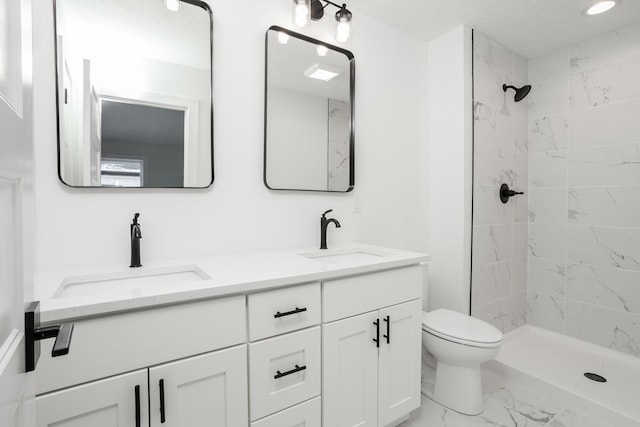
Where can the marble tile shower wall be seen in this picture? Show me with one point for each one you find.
(499, 265)
(584, 191)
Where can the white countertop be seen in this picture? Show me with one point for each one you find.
(229, 274)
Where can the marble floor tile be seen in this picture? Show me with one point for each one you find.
(509, 402)
(569, 418)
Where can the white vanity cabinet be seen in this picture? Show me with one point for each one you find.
(371, 361)
(324, 347)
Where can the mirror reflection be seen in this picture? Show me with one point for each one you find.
(134, 93)
(308, 114)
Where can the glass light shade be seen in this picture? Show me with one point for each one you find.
(343, 30)
(301, 10)
(172, 5)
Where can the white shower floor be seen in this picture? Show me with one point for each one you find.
(561, 361)
(537, 381)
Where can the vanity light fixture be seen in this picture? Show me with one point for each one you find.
(601, 7)
(301, 10)
(322, 50)
(314, 9)
(173, 5)
(323, 72)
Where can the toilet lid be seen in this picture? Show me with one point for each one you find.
(459, 327)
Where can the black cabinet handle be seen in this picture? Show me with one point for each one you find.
(377, 338)
(137, 389)
(162, 414)
(289, 313)
(293, 371)
(388, 336)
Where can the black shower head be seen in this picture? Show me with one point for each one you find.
(520, 93)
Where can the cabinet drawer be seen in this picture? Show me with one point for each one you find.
(106, 346)
(306, 414)
(297, 356)
(287, 304)
(359, 294)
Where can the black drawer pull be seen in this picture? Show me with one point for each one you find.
(289, 313)
(293, 371)
(137, 391)
(388, 335)
(162, 413)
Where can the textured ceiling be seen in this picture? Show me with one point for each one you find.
(529, 27)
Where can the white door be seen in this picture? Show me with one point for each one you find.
(399, 361)
(16, 209)
(120, 401)
(202, 391)
(350, 372)
(95, 138)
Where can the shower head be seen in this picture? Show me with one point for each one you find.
(520, 93)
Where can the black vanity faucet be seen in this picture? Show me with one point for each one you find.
(324, 222)
(136, 235)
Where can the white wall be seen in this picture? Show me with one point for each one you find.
(449, 167)
(238, 213)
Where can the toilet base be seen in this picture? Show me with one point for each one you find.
(459, 388)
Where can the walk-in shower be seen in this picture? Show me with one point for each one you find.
(557, 268)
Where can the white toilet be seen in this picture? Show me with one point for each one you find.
(459, 343)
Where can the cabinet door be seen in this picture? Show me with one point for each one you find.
(399, 360)
(120, 401)
(350, 372)
(206, 390)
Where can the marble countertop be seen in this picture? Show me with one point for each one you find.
(228, 275)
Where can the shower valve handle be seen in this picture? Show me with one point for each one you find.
(506, 193)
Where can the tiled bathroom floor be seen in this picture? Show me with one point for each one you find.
(505, 406)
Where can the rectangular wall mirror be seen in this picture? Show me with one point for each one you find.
(309, 93)
(134, 93)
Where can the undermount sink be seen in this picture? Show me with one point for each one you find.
(129, 281)
(343, 255)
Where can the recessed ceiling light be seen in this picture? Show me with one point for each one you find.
(322, 72)
(600, 7)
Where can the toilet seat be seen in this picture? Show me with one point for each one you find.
(460, 328)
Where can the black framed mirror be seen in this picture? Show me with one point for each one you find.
(134, 93)
(308, 119)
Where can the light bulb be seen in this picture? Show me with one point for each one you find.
(601, 7)
(301, 12)
(343, 29)
(322, 50)
(172, 5)
(283, 38)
